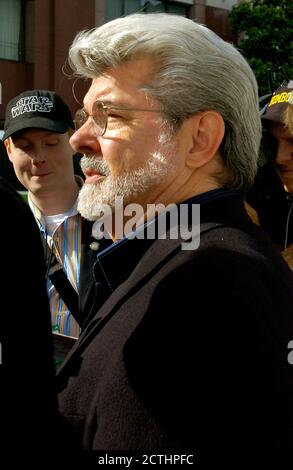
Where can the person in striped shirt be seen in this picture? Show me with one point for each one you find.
(36, 137)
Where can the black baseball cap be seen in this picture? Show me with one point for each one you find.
(41, 109)
(283, 95)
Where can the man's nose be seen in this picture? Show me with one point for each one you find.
(84, 140)
(37, 158)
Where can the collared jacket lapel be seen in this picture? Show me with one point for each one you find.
(87, 290)
(146, 269)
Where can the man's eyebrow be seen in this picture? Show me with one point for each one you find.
(18, 138)
(24, 137)
(49, 134)
(111, 104)
(115, 104)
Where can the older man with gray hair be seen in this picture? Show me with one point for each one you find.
(189, 350)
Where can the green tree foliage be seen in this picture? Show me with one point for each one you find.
(264, 31)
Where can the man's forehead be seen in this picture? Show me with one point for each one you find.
(32, 132)
(279, 130)
(97, 91)
(124, 83)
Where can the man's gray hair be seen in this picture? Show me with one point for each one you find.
(195, 70)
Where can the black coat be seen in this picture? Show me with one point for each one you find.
(28, 395)
(273, 205)
(87, 291)
(89, 300)
(191, 350)
(32, 430)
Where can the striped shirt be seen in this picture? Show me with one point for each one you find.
(62, 233)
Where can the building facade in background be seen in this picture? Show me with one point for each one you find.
(35, 36)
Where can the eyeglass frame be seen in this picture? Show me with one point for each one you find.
(104, 107)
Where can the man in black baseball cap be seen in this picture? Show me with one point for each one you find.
(36, 137)
(276, 107)
(37, 109)
(271, 195)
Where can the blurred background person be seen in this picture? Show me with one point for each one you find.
(271, 194)
(28, 397)
(36, 137)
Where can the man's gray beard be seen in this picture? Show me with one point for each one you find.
(93, 196)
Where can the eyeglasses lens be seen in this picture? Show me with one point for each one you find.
(99, 116)
(79, 119)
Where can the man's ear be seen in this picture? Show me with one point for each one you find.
(208, 129)
(7, 143)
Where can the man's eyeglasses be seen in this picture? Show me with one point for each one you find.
(100, 115)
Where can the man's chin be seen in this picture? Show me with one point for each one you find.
(86, 214)
(93, 211)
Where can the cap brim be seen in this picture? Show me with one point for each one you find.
(273, 118)
(275, 109)
(38, 123)
(274, 114)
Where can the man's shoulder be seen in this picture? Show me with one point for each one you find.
(7, 191)
(220, 247)
(267, 188)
